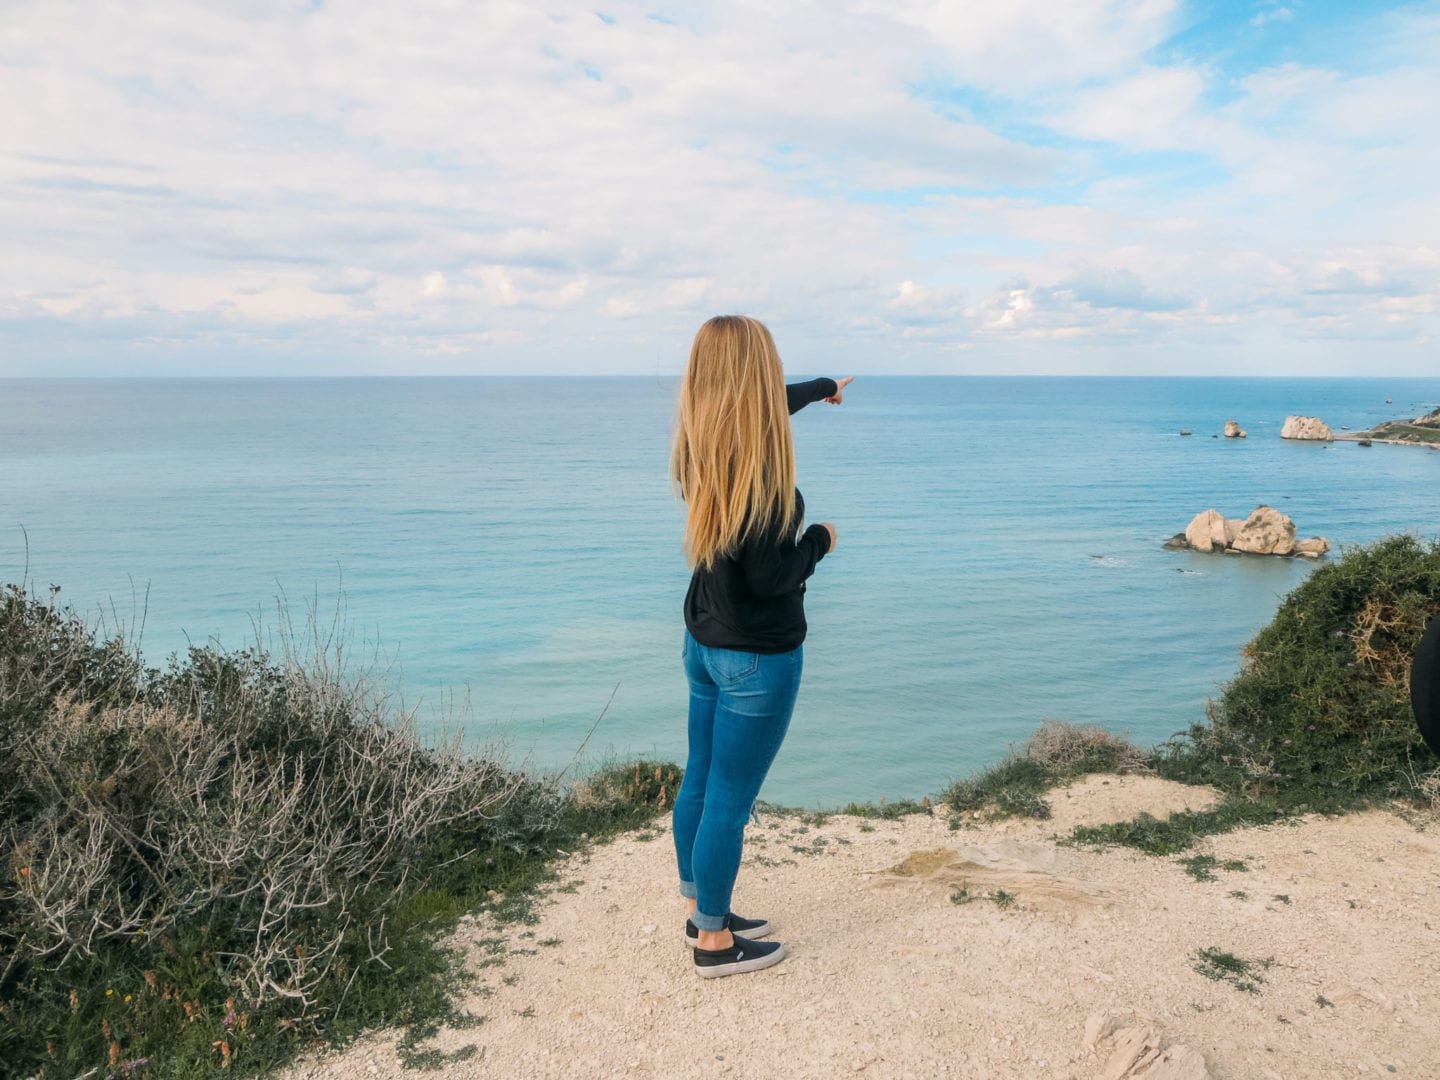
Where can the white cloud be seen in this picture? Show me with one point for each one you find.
(490, 185)
(1272, 13)
(1152, 108)
(1025, 46)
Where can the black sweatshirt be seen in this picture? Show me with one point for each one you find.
(753, 599)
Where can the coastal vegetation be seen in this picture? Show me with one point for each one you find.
(215, 865)
(1399, 431)
(1056, 753)
(220, 863)
(1318, 719)
(1422, 430)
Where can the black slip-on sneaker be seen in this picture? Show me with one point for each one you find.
(744, 955)
(751, 928)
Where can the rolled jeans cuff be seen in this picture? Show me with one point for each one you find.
(687, 889)
(708, 922)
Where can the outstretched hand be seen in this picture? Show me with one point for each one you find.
(840, 384)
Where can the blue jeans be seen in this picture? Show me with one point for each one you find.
(740, 705)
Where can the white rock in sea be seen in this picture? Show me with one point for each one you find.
(1233, 430)
(1266, 532)
(1308, 428)
(1206, 531)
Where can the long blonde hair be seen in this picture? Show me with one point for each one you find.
(733, 461)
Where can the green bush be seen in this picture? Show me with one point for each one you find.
(1321, 707)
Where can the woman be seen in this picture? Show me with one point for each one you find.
(734, 464)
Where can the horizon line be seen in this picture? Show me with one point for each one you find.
(678, 374)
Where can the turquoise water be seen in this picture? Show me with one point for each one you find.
(515, 541)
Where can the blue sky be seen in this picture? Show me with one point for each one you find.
(1143, 187)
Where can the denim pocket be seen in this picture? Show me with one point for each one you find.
(729, 666)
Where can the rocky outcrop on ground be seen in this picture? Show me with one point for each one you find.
(1233, 430)
(1265, 532)
(1133, 1048)
(1309, 428)
(1430, 419)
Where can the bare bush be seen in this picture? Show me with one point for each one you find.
(269, 803)
(1429, 789)
(1063, 749)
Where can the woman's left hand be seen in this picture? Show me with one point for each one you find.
(840, 384)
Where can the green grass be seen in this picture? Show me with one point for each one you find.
(1014, 788)
(1203, 867)
(887, 811)
(1226, 967)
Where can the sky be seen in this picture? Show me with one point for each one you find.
(896, 187)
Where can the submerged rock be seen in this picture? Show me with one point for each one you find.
(1307, 428)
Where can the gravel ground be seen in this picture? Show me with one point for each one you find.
(921, 949)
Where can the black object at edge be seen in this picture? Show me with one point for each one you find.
(1425, 684)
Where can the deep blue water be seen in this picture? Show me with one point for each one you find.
(514, 541)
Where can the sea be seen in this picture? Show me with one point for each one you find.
(502, 555)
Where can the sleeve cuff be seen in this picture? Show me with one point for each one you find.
(822, 537)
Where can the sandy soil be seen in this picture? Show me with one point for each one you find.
(907, 959)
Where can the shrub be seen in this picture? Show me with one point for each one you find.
(207, 864)
(1067, 750)
(1057, 752)
(629, 794)
(1321, 706)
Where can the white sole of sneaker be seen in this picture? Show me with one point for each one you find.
(754, 933)
(737, 967)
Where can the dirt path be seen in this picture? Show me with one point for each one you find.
(920, 950)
